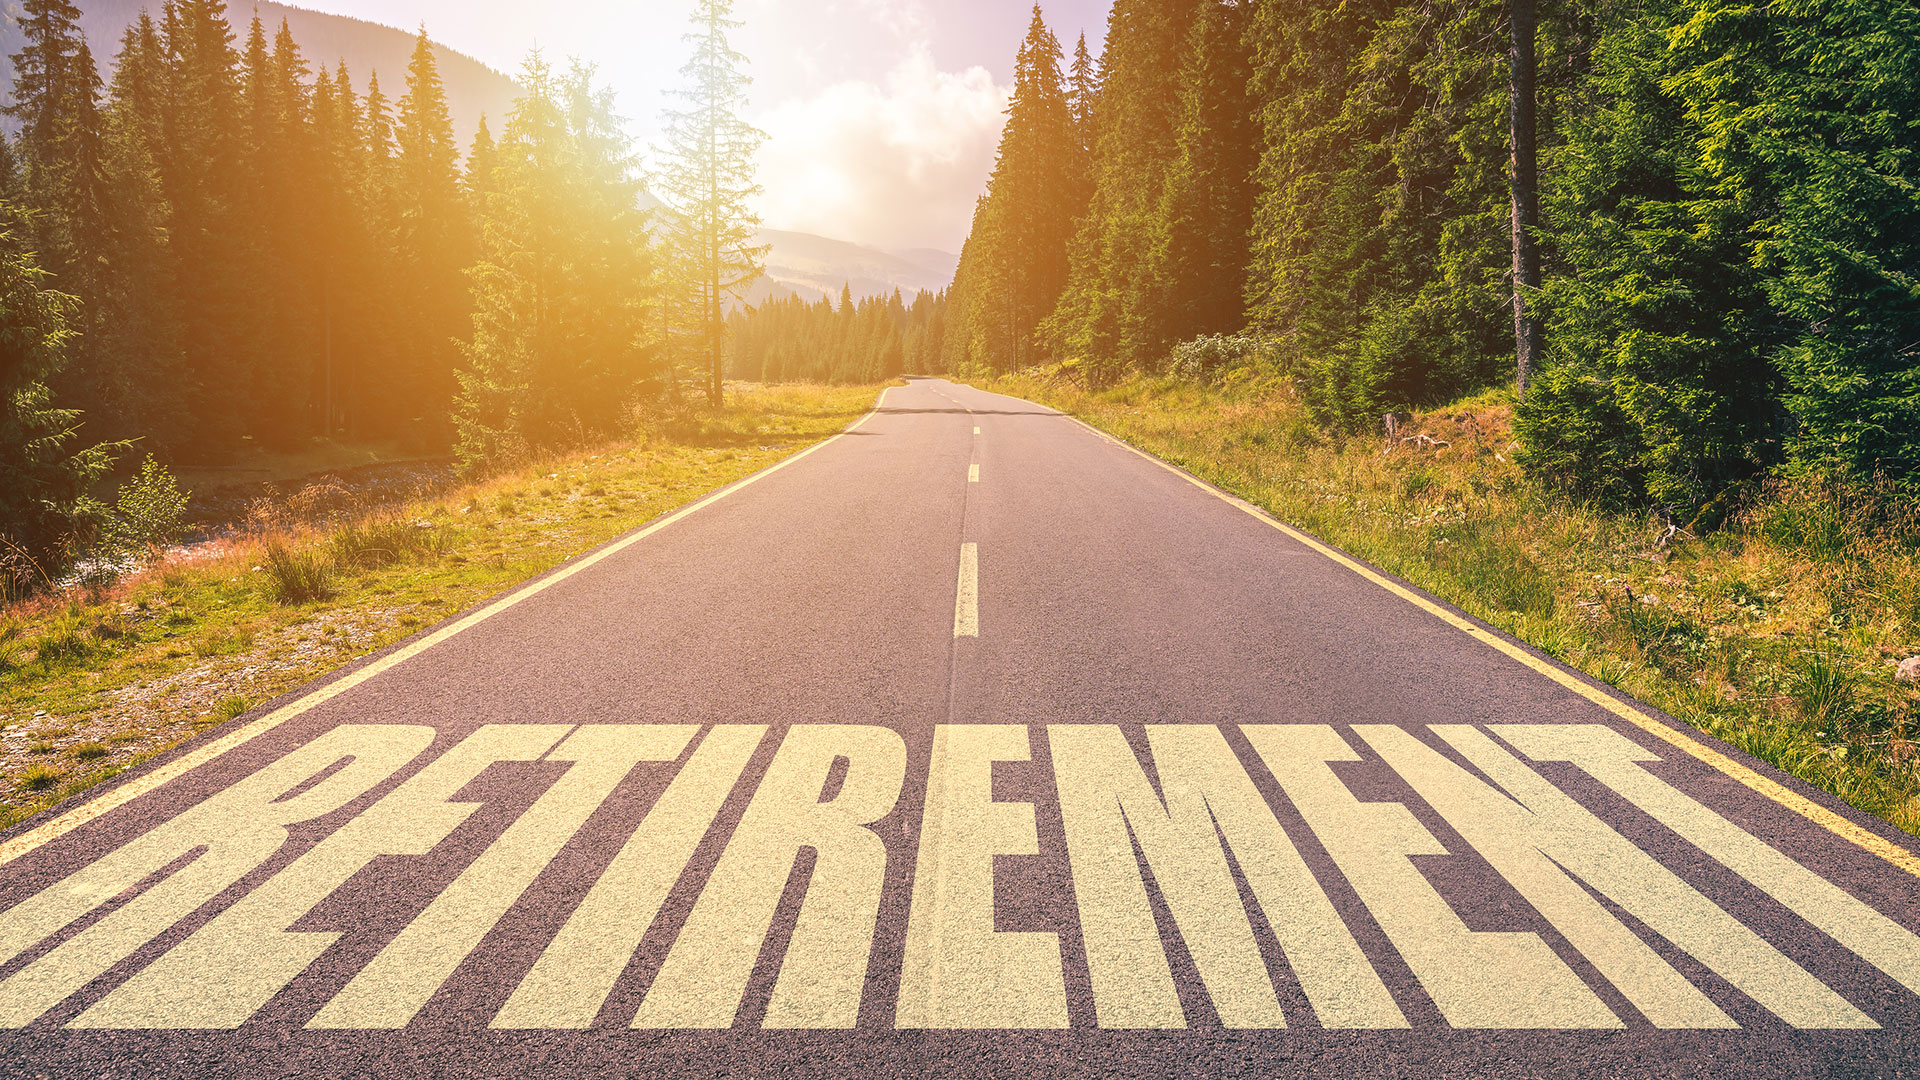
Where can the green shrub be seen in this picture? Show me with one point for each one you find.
(1207, 359)
(229, 707)
(67, 639)
(381, 539)
(1824, 690)
(148, 513)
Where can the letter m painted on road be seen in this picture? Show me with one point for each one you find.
(1108, 805)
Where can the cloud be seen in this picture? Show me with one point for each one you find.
(893, 164)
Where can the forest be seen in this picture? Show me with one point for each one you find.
(225, 248)
(1728, 230)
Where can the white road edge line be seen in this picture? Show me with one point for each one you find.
(966, 600)
(33, 839)
(1761, 784)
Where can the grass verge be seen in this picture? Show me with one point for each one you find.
(95, 682)
(1779, 633)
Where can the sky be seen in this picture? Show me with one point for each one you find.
(882, 116)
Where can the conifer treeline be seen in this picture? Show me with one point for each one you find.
(259, 252)
(1731, 222)
(861, 341)
(226, 246)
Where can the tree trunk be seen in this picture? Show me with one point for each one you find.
(716, 330)
(1524, 177)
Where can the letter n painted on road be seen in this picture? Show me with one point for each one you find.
(1541, 841)
(1614, 760)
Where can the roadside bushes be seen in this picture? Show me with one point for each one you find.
(1206, 359)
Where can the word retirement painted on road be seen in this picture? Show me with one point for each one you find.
(1253, 859)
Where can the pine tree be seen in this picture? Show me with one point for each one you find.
(706, 182)
(271, 238)
(351, 337)
(44, 504)
(130, 362)
(203, 183)
(61, 147)
(47, 93)
(1015, 265)
(562, 293)
(1660, 386)
(481, 161)
(1099, 320)
(1083, 97)
(1805, 115)
(434, 240)
(1382, 247)
(1196, 270)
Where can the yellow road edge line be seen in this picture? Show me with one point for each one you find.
(200, 755)
(1764, 785)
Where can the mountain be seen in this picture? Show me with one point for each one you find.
(473, 88)
(812, 266)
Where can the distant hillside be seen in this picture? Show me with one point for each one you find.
(814, 266)
(472, 87)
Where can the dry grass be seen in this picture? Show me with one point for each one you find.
(1778, 633)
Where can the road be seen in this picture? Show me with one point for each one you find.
(968, 743)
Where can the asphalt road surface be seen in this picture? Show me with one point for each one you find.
(969, 743)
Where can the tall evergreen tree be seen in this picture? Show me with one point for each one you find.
(434, 241)
(47, 92)
(562, 293)
(203, 182)
(43, 504)
(1016, 267)
(706, 181)
(1381, 242)
(138, 385)
(481, 161)
(1196, 268)
(1100, 318)
(1083, 97)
